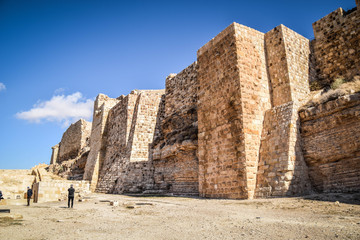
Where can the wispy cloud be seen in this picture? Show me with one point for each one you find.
(60, 108)
(2, 86)
(59, 91)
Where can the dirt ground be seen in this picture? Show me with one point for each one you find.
(137, 217)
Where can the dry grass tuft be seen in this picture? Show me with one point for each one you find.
(338, 88)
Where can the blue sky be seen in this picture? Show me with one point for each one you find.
(56, 56)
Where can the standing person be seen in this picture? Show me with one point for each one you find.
(29, 194)
(1, 196)
(71, 195)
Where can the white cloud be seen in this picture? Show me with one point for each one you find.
(59, 91)
(60, 108)
(2, 86)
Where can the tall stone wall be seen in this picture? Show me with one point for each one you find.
(127, 137)
(331, 139)
(74, 140)
(102, 105)
(233, 95)
(174, 153)
(282, 170)
(337, 45)
(289, 66)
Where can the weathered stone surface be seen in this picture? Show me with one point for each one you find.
(174, 151)
(282, 170)
(102, 106)
(56, 190)
(45, 185)
(129, 131)
(13, 183)
(331, 139)
(69, 156)
(290, 71)
(74, 139)
(233, 96)
(336, 45)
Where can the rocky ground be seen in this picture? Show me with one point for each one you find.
(314, 217)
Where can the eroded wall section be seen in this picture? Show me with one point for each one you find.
(74, 139)
(102, 105)
(127, 137)
(337, 45)
(175, 147)
(332, 144)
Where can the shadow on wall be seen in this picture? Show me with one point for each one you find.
(300, 183)
(114, 147)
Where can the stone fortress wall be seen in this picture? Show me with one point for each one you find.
(69, 157)
(337, 45)
(331, 137)
(129, 131)
(74, 139)
(174, 149)
(228, 125)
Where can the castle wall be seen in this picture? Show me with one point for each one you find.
(73, 140)
(337, 45)
(175, 147)
(282, 170)
(331, 138)
(127, 137)
(102, 105)
(233, 96)
(228, 125)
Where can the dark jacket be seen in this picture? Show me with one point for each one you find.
(71, 191)
(29, 193)
(1, 197)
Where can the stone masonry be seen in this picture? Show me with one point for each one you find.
(228, 125)
(128, 134)
(331, 137)
(102, 106)
(69, 157)
(175, 160)
(337, 45)
(233, 95)
(74, 139)
(14, 183)
(282, 170)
